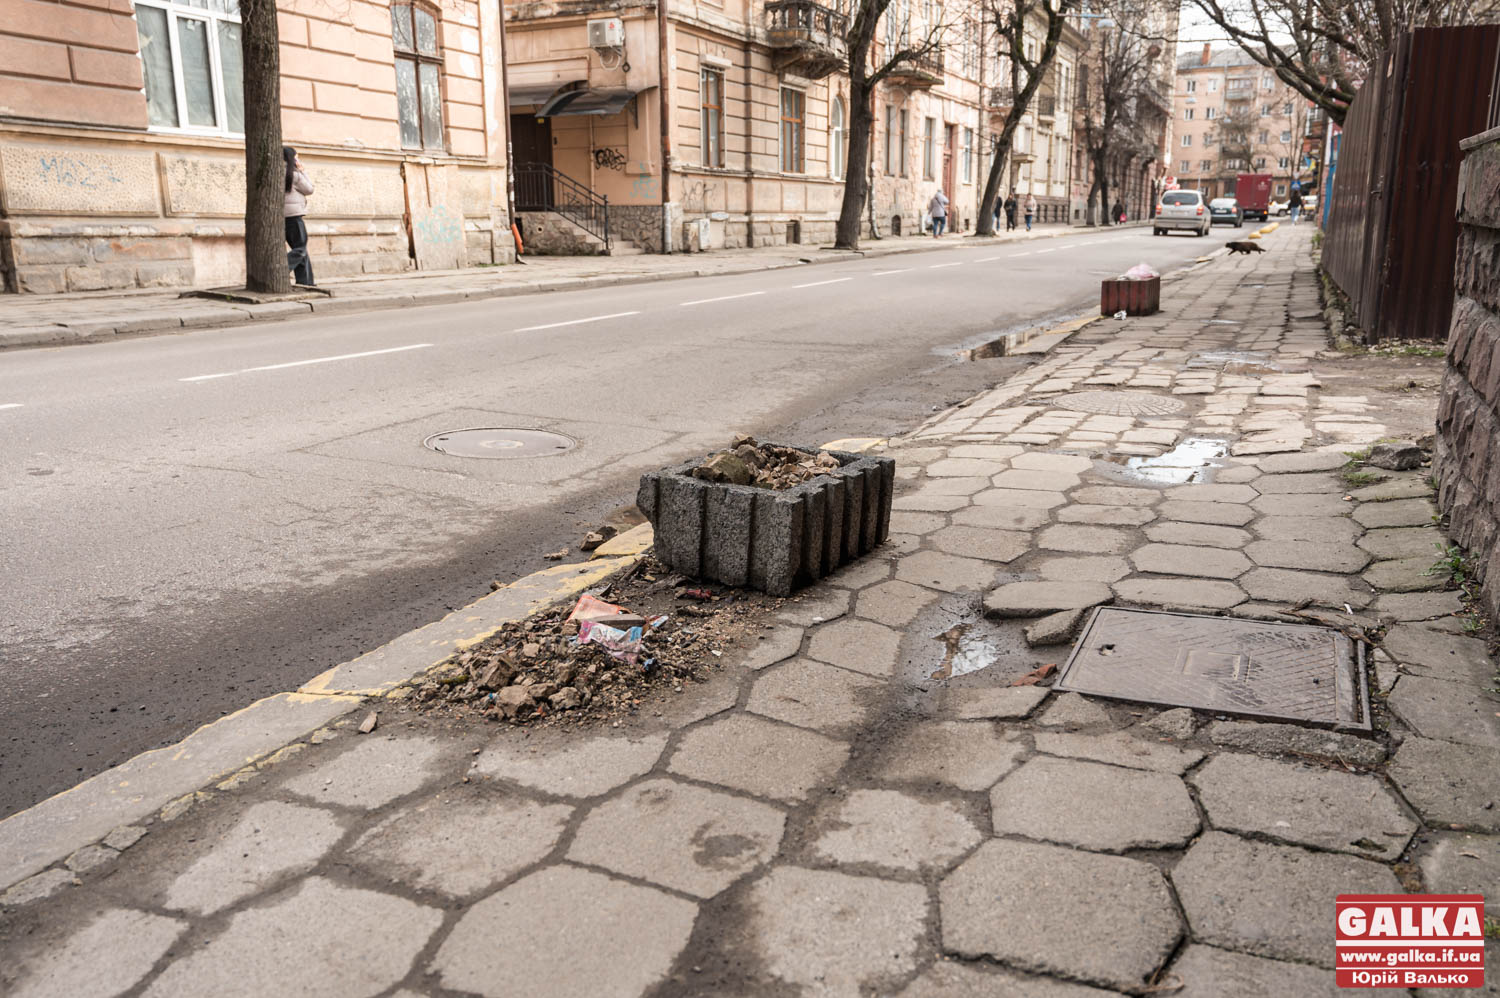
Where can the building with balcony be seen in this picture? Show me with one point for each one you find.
(122, 157)
(1234, 116)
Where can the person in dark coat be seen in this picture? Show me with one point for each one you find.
(1010, 211)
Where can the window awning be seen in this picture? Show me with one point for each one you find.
(600, 101)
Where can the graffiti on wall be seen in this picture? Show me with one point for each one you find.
(70, 172)
(609, 159)
(646, 187)
(439, 227)
(696, 195)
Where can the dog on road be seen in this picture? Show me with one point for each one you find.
(1245, 246)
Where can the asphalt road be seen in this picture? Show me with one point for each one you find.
(189, 523)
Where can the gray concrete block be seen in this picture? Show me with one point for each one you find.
(815, 499)
(776, 542)
(727, 534)
(854, 512)
(679, 523)
(836, 490)
(646, 495)
(887, 468)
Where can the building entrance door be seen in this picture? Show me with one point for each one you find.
(531, 144)
(950, 136)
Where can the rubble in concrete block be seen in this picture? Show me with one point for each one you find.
(764, 466)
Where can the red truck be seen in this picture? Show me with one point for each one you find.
(1253, 192)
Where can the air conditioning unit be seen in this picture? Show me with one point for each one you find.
(607, 33)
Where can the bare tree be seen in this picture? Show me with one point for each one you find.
(1110, 77)
(864, 76)
(265, 171)
(1323, 48)
(1011, 19)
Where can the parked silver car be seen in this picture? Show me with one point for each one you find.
(1181, 210)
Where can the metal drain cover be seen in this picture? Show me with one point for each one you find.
(499, 441)
(1120, 403)
(1287, 672)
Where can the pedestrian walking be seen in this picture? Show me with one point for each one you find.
(938, 209)
(1117, 213)
(298, 187)
(1010, 212)
(1294, 204)
(1030, 210)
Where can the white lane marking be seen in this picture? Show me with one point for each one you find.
(883, 273)
(11, 405)
(986, 259)
(1012, 256)
(935, 266)
(578, 322)
(1053, 249)
(705, 301)
(816, 284)
(304, 363)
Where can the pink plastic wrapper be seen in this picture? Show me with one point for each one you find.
(625, 646)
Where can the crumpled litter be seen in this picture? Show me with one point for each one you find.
(1140, 272)
(623, 646)
(1036, 675)
(594, 608)
(1120, 314)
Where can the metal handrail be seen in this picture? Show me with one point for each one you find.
(804, 15)
(540, 187)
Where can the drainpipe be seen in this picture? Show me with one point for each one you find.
(510, 163)
(749, 154)
(663, 71)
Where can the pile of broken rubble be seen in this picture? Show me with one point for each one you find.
(596, 658)
(764, 466)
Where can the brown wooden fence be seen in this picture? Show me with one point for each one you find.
(1391, 232)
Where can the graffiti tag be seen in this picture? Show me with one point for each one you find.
(609, 159)
(70, 172)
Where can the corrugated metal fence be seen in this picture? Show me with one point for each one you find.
(1391, 234)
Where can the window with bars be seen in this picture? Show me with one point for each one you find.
(419, 96)
(190, 54)
(836, 139)
(793, 107)
(711, 84)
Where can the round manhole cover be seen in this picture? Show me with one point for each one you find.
(1120, 403)
(499, 441)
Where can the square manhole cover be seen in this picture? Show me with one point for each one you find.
(1289, 672)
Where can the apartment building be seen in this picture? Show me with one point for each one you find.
(1234, 116)
(757, 109)
(121, 138)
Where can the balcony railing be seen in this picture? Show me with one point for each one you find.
(1002, 98)
(1046, 106)
(808, 37)
(924, 70)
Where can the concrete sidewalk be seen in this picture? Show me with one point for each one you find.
(92, 317)
(823, 816)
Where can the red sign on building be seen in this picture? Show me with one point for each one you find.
(1410, 940)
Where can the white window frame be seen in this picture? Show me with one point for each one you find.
(1213, 86)
(1187, 141)
(711, 118)
(1208, 113)
(1192, 86)
(837, 138)
(968, 154)
(173, 11)
(1187, 115)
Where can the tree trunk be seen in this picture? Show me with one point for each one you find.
(857, 167)
(266, 269)
(985, 224)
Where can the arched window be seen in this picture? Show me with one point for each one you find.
(836, 150)
(419, 97)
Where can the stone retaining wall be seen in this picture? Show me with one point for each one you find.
(1467, 460)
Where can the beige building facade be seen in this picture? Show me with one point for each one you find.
(121, 149)
(758, 118)
(1233, 116)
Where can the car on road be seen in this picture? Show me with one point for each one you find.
(1181, 209)
(1279, 208)
(1226, 210)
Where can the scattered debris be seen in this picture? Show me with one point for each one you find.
(594, 538)
(595, 659)
(1140, 272)
(1036, 675)
(1120, 315)
(368, 724)
(764, 466)
(556, 555)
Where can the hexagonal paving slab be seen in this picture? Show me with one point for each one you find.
(1046, 909)
(970, 755)
(894, 830)
(1093, 806)
(1198, 562)
(812, 695)
(760, 757)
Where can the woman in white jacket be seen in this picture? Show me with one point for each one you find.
(298, 187)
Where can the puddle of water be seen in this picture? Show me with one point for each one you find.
(1191, 462)
(968, 650)
(1003, 346)
(953, 642)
